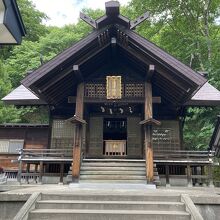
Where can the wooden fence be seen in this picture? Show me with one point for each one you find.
(195, 166)
(40, 158)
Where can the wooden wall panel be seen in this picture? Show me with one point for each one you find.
(37, 138)
(167, 136)
(12, 133)
(134, 145)
(95, 136)
(34, 138)
(5, 162)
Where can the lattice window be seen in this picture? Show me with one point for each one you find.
(62, 134)
(134, 90)
(95, 90)
(98, 90)
(113, 87)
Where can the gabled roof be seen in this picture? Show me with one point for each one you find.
(22, 96)
(207, 95)
(56, 79)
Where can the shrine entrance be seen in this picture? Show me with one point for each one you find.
(114, 136)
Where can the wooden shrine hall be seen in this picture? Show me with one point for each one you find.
(115, 96)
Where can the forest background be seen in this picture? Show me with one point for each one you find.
(189, 30)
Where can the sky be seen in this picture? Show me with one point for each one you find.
(63, 12)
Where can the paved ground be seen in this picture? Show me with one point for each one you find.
(115, 189)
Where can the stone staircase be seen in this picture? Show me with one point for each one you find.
(109, 207)
(115, 171)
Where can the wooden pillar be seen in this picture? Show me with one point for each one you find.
(19, 171)
(61, 169)
(210, 176)
(78, 132)
(167, 171)
(27, 173)
(35, 172)
(189, 175)
(148, 133)
(203, 174)
(41, 172)
(148, 122)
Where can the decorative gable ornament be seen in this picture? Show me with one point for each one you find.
(113, 87)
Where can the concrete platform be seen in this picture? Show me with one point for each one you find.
(206, 199)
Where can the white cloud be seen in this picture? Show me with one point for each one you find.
(67, 11)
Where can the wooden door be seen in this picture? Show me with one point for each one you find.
(134, 132)
(95, 137)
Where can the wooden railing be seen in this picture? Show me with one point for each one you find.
(195, 166)
(40, 158)
(115, 147)
(181, 155)
(45, 153)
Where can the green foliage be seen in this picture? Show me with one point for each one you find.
(41, 42)
(32, 19)
(187, 30)
(199, 126)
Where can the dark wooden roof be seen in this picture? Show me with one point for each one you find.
(215, 139)
(56, 80)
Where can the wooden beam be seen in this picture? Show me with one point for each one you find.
(150, 72)
(148, 101)
(139, 20)
(75, 69)
(155, 100)
(56, 79)
(88, 20)
(89, 56)
(80, 100)
(158, 68)
(150, 121)
(77, 73)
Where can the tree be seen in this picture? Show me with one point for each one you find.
(188, 30)
(29, 55)
(32, 19)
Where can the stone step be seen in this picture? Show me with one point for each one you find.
(114, 177)
(84, 167)
(110, 205)
(115, 160)
(112, 181)
(112, 197)
(71, 214)
(112, 164)
(114, 172)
